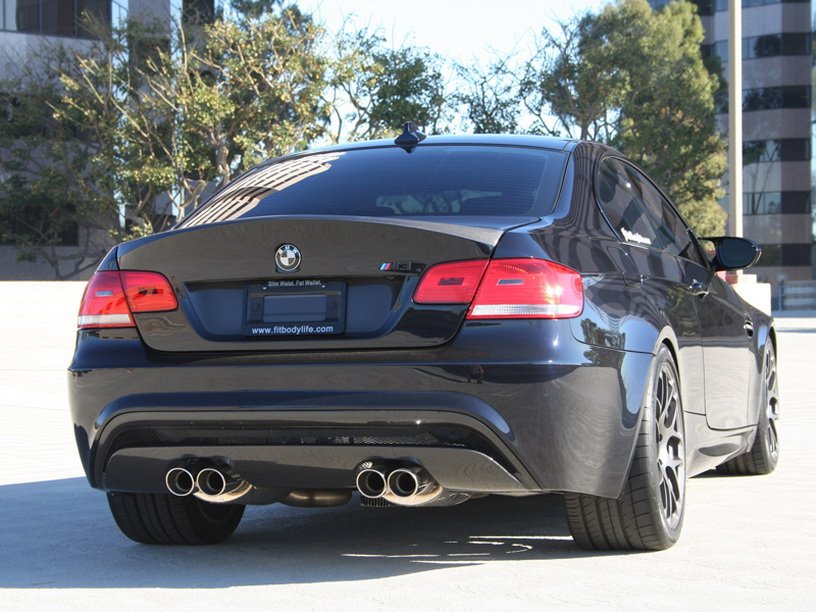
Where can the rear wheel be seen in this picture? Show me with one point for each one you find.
(649, 513)
(764, 454)
(166, 519)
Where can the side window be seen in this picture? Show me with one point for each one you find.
(621, 199)
(672, 230)
(640, 213)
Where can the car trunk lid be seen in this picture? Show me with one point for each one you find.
(352, 288)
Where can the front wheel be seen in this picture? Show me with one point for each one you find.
(649, 513)
(166, 519)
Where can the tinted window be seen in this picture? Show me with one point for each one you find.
(769, 98)
(621, 197)
(638, 210)
(672, 230)
(59, 17)
(722, 5)
(785, 255)
(432, 180)
(782, 149)
(776, 202)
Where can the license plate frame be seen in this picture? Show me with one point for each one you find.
(295, 308)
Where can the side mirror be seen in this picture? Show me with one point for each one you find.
(734, 253)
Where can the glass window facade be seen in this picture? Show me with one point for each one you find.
(35, 222)
(705, 8)
(783, 149)
(776, 202)
(778, 29)
(722, 5)
(785, 255)
(770, 98)
(54, 17)
(767, 45)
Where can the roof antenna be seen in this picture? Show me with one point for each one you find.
(410, 137)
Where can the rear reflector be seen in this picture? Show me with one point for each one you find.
(112, 296)
(528, 289)
(450, 283)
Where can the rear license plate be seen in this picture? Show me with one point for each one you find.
(295, 308)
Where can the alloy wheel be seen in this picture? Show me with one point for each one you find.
(771, 403)
(670, 447)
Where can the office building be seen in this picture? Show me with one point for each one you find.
(777, 59)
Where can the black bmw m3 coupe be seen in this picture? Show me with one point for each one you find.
(420, 322)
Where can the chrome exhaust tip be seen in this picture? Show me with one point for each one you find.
(371, 483)
(406, 482)
(211, 482)
(180, 482)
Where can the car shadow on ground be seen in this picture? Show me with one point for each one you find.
(59, 534)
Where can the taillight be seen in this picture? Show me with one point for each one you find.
(148, 292)
(505, 288)
(450, 283)
(528, 289)
(112, 296)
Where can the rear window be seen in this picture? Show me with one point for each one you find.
(386, 182)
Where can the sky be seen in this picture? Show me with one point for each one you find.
(465, 31)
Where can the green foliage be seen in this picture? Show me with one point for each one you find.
(489, 98)
(634, 78)
(254, 8)
(53, 194)
(111, 141)
(148, 112)
(245, 91)
(569, 88)
(138, 125)
(376, 90)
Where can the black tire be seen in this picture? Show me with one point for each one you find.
(649, 513)
(166, 519)
(764, 453)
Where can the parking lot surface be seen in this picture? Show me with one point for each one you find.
(747, 543)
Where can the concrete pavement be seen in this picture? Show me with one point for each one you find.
(748, 543)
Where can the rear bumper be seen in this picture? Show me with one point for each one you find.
(543, 414)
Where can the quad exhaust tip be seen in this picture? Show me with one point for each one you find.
(211, 482)
(180, 482)
(213, 485)
(404, 482)
(371, 483)
(410, 485)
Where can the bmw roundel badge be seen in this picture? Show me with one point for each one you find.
(287, 258)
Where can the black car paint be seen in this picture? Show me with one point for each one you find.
(208, 265)
(558, 401)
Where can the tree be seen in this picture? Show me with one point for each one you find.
(56, 188)
(209, 106)
(131, 129)
(254, 8)
(634, 78)
(489, 97)
(376, 90)
(569, 88)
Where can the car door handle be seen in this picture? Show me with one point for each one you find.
(748, 326)
(698, 288)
